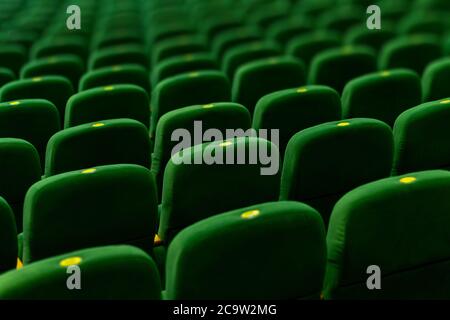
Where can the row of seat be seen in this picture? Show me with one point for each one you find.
(355, 152)
(190, 58)
(275, 250)
(382, 95)
(419, 136)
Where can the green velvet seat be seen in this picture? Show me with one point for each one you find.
(220, 116)
(308, 45)
(436, 5)
(177, 46)
(117, 272)
(267, 13)
(55, 89)
(244, 53)
(33, 120)
(182, 64)
(120, 54)
(187, 89)
(169, 30)
(6, 76)
(282, 32)
(113, 75)
(52, 46)
(255, 79)
(383, 95)
(436, 80)
(341, 19)
(324, 162)
(118, 141)
(229, 39)
(422, 136)
(192, 192)
(109, 102)
(218, 23)
(390, 224)
(335, 67)
(375, 39)
(13, 57)
(293, 110)
(113, 204)
(424, 23)
(21, 169)
(68, 66)
(236, 255)
(8, 236)
(413, 52)
(122, 36)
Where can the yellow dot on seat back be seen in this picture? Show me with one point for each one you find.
(302, 90)
(445, 101)
(14, 103)
(385, 74)
(116, 68)
(37, 79)
(347, 49)
(207, 106)
(88, 171)
(250, 214)
(407, 180)
(225, 144)
(188, 57)
(52, 60)
(96, 125)
(70, 261)
(193, 74)
(108, 88)
(343, 124)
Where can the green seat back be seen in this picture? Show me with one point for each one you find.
(69, 66)
(241, 54)
(308, 45)
(436, 80)
(254, 80)
(413, 52)
(382, 95)
(187, 89)
(118, 141)
(229, 39)
(33, 120)
(192, 192)
(220, 116)
(375, 39)
(335, 67)
(109, 102)
(116, 55)
(13, 57)
(177, 46)
(21, 168)
(324, 162)
(109, 273)
(50, 46)
(422, 136)
(268, 251)
(119, 74)
(55, 89)
(398, 224)
(293, 110)
(182, 64)
(87, 208)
